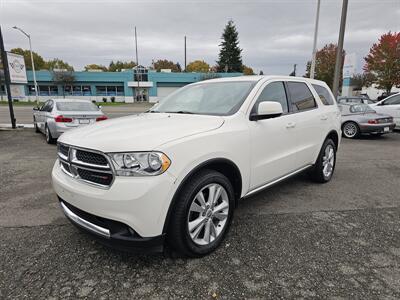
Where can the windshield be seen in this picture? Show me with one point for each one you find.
(212, 98)
(361, 108)
(76, 106)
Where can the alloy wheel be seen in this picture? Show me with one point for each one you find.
(208, 214)
(328, 161)
(350, 130)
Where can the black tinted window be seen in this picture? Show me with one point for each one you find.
(274, 91)
(300, 96)
(323, 94)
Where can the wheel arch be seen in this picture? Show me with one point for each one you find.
(222, 165)
(334, 136)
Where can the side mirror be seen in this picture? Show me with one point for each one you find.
(267, 110)
(36, 108)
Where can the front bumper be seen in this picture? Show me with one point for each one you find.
(141, 203)
(376, 128)
(111, 233)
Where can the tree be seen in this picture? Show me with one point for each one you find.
(37, 59)
(58, 64)
(63, 77)
(383, 61)
(120, 65)
(95, 67)
(199, 66)
(166, 64)
(230, 59)
(325, 64)
(247, 70)
(358, 81)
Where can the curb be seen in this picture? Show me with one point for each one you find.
(19, 126)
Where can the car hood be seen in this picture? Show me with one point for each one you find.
(140, 132)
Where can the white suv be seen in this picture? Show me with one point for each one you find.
(175, 173)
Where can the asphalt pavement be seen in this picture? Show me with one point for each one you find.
(340, 240)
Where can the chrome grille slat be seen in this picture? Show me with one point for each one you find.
(100, 175)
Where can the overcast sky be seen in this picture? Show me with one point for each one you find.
(274, 35)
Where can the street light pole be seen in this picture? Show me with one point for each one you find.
(314, 54)
(339, 50)
(33, 64)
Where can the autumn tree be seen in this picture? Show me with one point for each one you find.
(325, 65)
(120, 65)
(63, 77)
(37, 59)
(95, 67)
(198, 66)
(247, 70)
(166, 64)
(383, 61)
(230, 58)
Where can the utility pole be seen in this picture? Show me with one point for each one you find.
(33, 63)
(185, 53)
(314, 53)
(7, 79)
(137, 68)
(339, 50)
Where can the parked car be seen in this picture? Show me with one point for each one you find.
(354, 99)
(358, 119)
(390, 106)
(175, 173)
(384, 95)
(57, 116)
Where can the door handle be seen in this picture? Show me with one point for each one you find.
(291, 125)
(324, 117)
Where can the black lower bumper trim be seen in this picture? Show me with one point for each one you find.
(122, 237)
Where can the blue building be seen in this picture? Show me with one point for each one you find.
(125, 86)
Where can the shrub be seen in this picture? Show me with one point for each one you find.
(112, 99)
(104, 99)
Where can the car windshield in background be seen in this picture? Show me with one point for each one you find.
(360, 108)
(213, 98)
(76, 106)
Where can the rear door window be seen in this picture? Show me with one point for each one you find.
(301, 98)
(393, 100)
(324, 94)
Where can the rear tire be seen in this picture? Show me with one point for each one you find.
(350, 130)
(324, 167)
(49, 138)
(35, 125)
(200, 222)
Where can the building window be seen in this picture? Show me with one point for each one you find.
(67, 90)
(86, 90)
(109, 90)
(53, 90)
(77, 90)
(2, 89)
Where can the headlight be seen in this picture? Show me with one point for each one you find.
(140, 163)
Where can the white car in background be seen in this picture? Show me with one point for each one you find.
(389, 106)
(175, 173)
(57, 116)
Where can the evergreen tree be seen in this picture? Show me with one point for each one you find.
(230, 59)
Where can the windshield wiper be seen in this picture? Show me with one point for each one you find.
(180, 112)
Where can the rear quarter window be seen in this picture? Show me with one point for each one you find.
(324, 95)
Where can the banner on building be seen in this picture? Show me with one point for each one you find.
(17, 68)
(349, 66)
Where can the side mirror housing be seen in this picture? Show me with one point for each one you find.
(267, 110)
(36, 108)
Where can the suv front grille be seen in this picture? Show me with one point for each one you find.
(91, 158)
(86, 165)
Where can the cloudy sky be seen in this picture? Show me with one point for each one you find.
(274, 34)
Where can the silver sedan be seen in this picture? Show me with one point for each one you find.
(361, 118)
(56, 116)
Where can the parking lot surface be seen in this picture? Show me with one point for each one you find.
(297, 239)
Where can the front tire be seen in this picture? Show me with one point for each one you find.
(324, 167)
(202, 214)
(350, 130)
